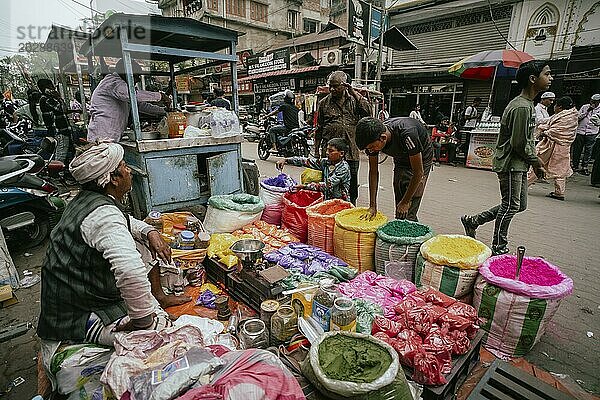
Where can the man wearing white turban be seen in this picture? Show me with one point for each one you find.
(95, 277)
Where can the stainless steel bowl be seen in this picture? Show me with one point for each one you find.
(248, 250)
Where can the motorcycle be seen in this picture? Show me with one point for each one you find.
(289, 144)
(29, 204)
(252, 131)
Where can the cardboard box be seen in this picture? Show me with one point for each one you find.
(5, 292)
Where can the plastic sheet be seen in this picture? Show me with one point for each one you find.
(227, 213)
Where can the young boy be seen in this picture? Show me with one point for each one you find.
(515, 153)
(335, 169)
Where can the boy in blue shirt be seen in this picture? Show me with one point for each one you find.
(335, 169)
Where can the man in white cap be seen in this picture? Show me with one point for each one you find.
(587, 130)
(541, 108)
(95, 279)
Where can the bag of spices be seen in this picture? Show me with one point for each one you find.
(399, 241)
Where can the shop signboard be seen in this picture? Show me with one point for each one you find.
(481, 150)
(376, 19)
(274, 86)
(275, 61)
(358, 21)
(312, 82)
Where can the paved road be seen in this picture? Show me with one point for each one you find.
(566, 233)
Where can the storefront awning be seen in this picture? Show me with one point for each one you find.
(280, 73)
(396, 40)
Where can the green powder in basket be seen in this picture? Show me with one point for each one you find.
(401, 228)
(353, 359)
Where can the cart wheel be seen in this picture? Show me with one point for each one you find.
(263, 149)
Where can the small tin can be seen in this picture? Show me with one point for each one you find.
(267, 309)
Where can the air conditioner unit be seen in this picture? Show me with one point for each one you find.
(331, 57)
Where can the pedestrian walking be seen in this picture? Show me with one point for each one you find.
(409, 143)
(556, 135)
(514, 155)
(587, 130)
(338, 114)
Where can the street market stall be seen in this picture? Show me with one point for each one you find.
(180, 170)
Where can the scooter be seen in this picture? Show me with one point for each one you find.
(28, 204)
(289, 144)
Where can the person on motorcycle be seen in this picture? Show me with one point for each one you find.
(32, 112)
(290, 118)
(335, 169)
(55, 118)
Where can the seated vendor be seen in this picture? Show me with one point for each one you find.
(336, 171)
(95, 279)
(443, 134)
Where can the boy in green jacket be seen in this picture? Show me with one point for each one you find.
(515, 153)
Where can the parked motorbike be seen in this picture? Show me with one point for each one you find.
(289, 144)
(252, 131)
(28, 204)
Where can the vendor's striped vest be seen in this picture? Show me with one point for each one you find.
(76, 279)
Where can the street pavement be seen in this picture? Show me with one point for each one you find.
(566, 233)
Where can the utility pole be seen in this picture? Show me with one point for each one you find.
(358, 62)
(380, 50)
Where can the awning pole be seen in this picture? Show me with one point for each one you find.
(492, 90)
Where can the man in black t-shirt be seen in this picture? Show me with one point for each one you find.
(290, 118)
(220, 101)
(409, 143)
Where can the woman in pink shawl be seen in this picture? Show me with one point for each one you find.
(554, 149)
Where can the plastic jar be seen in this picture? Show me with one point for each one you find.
(343, 315)
(177, 122)
(192, 224)
(177, 229)
(284, 324)
(202, 240)
(254, 334)
(322, 304)
(186, 240)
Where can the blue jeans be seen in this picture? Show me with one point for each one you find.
(513, 189)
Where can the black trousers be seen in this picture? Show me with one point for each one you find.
(354, 165)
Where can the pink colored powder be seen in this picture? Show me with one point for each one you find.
(534, 271)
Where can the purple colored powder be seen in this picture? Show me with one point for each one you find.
(281, 180)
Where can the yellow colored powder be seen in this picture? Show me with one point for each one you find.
(455, 250)
(356, 219)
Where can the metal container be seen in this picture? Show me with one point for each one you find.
(248, 250)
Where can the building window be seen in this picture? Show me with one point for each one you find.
(236, 7)
(212, 5)
(258, 11)
(310, 26)
(293, 18)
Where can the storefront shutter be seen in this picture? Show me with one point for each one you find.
(457, 42)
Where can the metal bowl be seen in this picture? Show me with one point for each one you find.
(248, 250)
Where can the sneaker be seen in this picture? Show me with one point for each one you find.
(470, 230)
(553, 195)
(499, 251)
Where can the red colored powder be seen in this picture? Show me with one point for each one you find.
(535, 271)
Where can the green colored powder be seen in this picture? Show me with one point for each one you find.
(353, 359)
(401, 228)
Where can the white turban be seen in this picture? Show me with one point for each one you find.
(97, 163)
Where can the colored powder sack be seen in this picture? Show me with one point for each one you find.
(355, 218)
(401, 228)
(281, 180)
(534, 271)
(353, 359)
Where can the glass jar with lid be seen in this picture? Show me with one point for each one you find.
(186, 240)
(254, 334)
(343, 315)
(154, 219)
(284, 324)
(322, 304)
